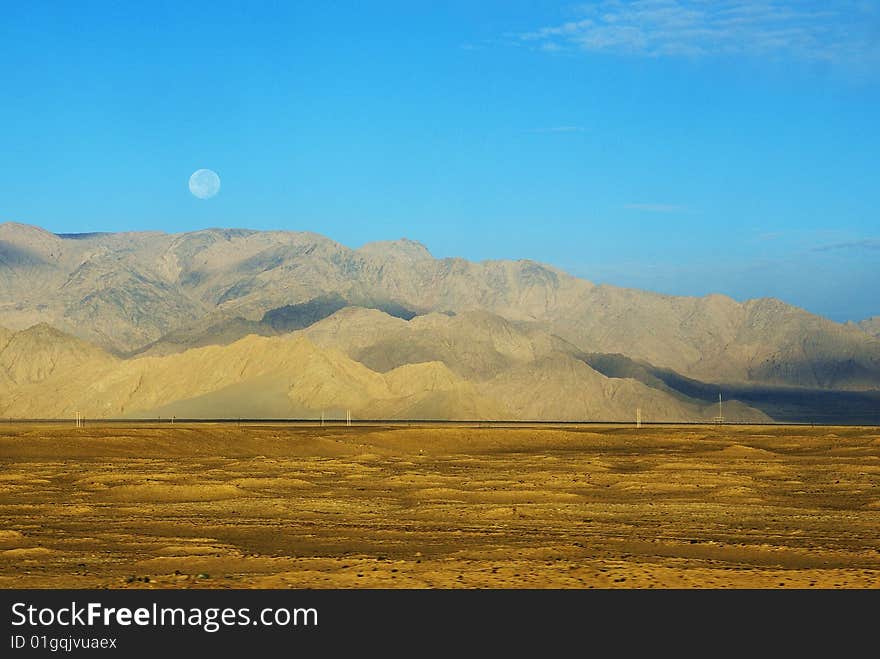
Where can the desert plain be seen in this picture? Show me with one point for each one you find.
(151, 505)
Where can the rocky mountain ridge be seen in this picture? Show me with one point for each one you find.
(159, 294)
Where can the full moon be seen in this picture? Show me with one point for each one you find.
(204, 183)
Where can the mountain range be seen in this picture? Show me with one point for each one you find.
(241, 323)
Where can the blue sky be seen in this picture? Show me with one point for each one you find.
(685, 147)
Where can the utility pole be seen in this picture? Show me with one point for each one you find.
(348, 418)
(720, 418)
(638, 417)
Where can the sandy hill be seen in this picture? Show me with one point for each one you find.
(538, 375)
(474, 344)
(166, 293)
(295, 376)
(35, 354)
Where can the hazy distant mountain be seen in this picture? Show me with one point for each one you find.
(160, 294)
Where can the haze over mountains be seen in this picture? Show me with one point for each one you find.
(283, 324)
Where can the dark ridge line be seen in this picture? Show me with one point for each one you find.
(82, 236)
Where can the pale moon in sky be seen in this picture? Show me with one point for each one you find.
(204, 183)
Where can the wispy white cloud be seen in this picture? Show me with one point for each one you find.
(872, 244)
(656, 208)
(846, 30)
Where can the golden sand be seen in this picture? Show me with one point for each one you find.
(222, 506)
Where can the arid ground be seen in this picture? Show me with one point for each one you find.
(269, 506)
